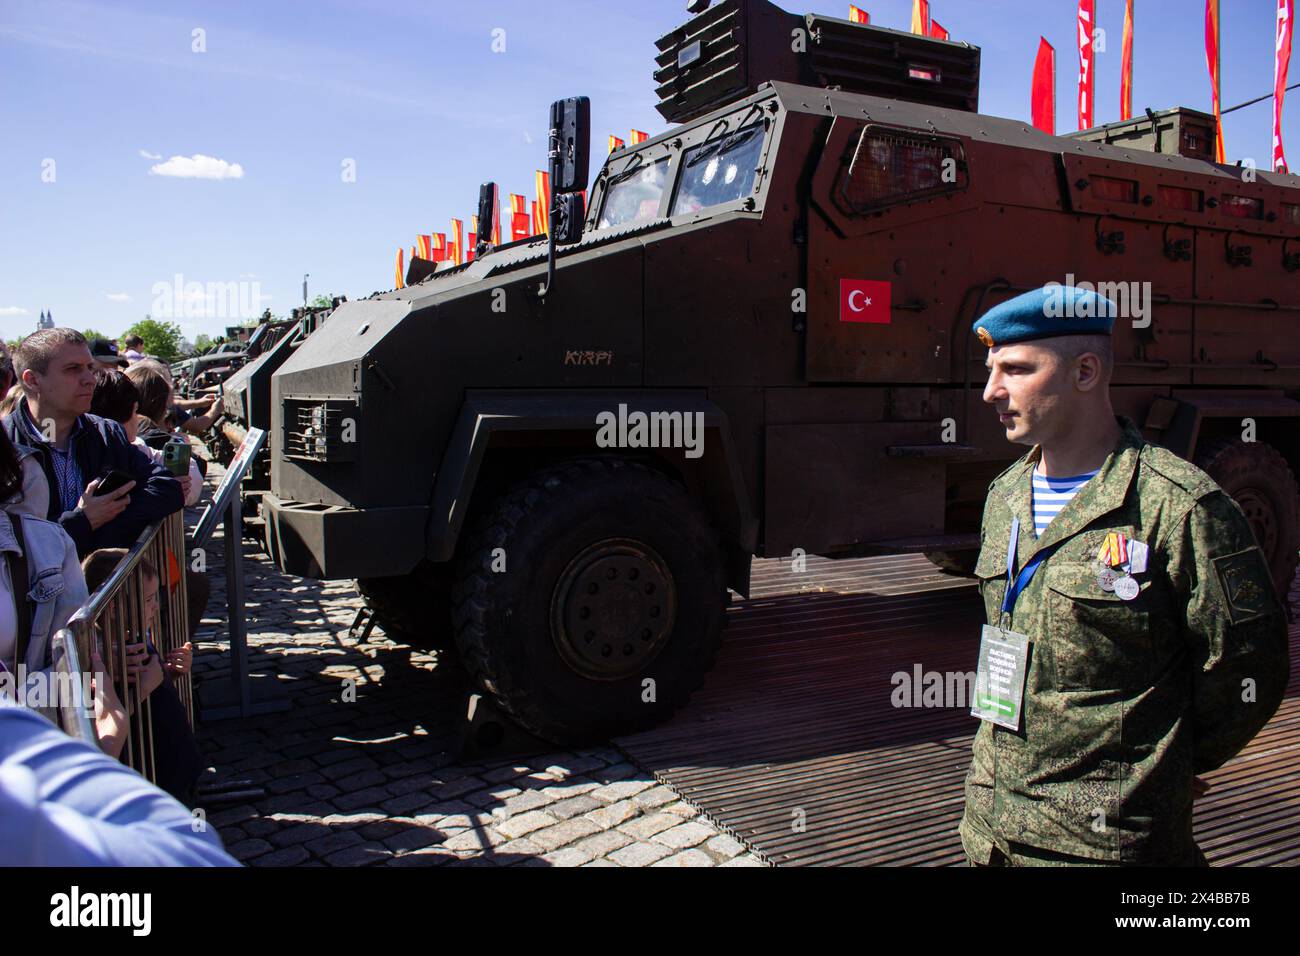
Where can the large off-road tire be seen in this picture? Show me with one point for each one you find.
(1259, 479)
(608, 611)
(414, 609)
(955, 562)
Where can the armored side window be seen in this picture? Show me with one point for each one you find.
(719, 171)
(634, 194)
(885, 167)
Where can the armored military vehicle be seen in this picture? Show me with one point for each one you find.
(758, 343)
(246, 399)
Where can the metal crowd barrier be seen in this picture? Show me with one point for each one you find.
(114, 613)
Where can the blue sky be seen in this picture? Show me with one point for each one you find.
(414, 95)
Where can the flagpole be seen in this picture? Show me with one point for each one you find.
(1258, 99)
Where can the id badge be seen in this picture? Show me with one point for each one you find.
(1000, 679)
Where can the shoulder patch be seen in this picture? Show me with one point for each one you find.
(1245, 582)
(1177, 471)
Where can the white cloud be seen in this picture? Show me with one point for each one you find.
(198, 166)
(148, 155)
(528, 137)
(249, 275)
(117, 297)
(12, 310)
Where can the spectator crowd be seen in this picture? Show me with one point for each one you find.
(82, 474)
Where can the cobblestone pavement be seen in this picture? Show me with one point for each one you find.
(373, 780)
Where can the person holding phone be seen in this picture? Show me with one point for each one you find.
(78, 451)
(117, 399)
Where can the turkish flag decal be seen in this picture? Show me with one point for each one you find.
(865, 300)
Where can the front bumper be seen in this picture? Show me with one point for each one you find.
(329, 542)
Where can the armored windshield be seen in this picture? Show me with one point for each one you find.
(720, 171)
(634, 195)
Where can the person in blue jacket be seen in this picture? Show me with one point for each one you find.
(77, 450)
(63, 803)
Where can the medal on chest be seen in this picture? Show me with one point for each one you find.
(1120, 557)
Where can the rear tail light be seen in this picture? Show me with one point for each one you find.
(1243, 207)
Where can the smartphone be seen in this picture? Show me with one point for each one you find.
(176, 457)
(112, 481)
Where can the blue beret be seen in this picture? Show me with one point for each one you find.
(1044, 313)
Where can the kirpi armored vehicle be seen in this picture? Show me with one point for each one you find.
(246, 399)
(759, 344)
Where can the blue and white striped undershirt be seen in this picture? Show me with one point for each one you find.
(1051, 495)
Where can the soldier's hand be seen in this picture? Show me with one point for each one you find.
(1199, 788)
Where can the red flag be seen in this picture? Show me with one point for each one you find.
(1281, 67)
(423, 246)
(542, 217)
(472, 249)
(638, 137)
(615, 143)
(858, 16)
(519, 220)
(865, 300)
(1043, 93)
(457, 240)
(937, 31)
(921, 17)
(1126, 66)
(1212, 60)
(1087, 76)
(439, 247)
(401, 269)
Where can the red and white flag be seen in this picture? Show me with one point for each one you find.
(858, 15)
(520, 221)
(865, 300)
(1087, 64)
(938, 31)
(1282, 66)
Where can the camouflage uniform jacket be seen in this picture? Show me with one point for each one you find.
(1125, 701)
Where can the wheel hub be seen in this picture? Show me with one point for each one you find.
(1258, 509)
(613, 609)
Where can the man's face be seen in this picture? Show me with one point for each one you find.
(68, 384)
(1031, 391)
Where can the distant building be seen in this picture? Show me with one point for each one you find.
(46, 321)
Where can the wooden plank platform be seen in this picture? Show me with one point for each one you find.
(794, 745)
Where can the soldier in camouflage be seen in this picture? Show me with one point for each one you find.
(1129, 691)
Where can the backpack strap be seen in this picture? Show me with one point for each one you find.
(20, 579)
